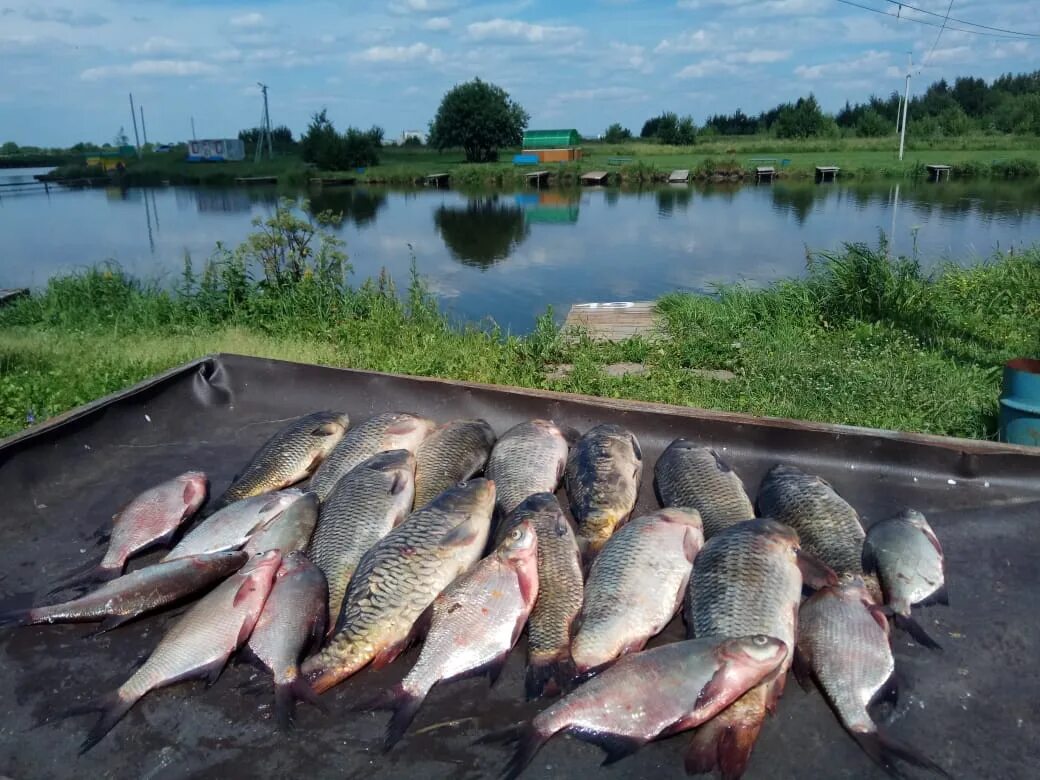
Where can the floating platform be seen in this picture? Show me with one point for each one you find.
(765, 173)
(595, 177)
(614, 321)
(256, 180)
(679, 177)
(936, 172)
(537, 178)
(827, 172)
(437, 179)
(12, 294)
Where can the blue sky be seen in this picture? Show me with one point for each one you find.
(68, 67)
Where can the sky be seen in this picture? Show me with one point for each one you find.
(68, 67)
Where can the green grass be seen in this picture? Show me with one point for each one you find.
(862, 340)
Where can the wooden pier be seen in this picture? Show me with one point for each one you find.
(12, 294)
(765, 173)
(537, 178)
(680, 176)
(333, 181)
(936, 172)
(615, 321)
(595, 177)
(256, 180)
(827, 172)
(437, 180)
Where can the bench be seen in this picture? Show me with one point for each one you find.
(762, 159)
(619, 160)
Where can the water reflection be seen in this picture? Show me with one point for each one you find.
(483, 232)
(551, 206)
(675, 195)
(797, 200)
(358, 205)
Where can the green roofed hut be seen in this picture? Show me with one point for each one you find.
(553, 145)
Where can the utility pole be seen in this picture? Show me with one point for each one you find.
(906, 104)
(133, 115)
(193, 138)
(144, 130)
(265, 129)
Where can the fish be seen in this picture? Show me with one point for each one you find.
(289, 531)
(388, 431)
(529, 458)
(843, 642)
(746, 580)
(688, 475)
(827, 525)
(293, 618)
(635, 586)
(474, 623)
(906, 555)
(150, 519)
(400, 577)
(230, 528)
(560, 591)
(198, 645)
(362, 508)
(453, 453)
(602, 479)
(291, 455)
(134, 594)
(651, 694)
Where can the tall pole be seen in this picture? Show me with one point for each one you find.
(906, 106)
(144, 130)
(133, 115)
(265, 129)
(267, 126)
(193, 129)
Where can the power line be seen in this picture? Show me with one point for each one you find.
(960, 21)
(938, 35)
(1017, 36)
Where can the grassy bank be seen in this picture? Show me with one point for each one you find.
(862, 340)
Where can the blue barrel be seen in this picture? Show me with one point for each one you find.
(1020, 402)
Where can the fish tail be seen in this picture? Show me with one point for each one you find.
(884, 750)
(334, 664)
(286, 695)
(915, 630)
(92, 576)
(112, 707)
(724, 743)
(528, 743)
(549, 676)
(405, 705)
(17, 617)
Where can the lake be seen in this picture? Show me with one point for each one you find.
(508, 255)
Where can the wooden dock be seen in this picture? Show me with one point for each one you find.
(765, 173)
(936, 172)
(333, 181)
(614, 321)
(680, 176)
(595, 177)
(538, 178)
(256, 180)
(437, 180)
(827, 172)
(12, 294)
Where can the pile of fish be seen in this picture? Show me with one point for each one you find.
(396, 540)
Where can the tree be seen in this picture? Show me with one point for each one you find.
(685, 132)
(803, 119)
(329, 150)
(650, 127)
(480, 117)
(282, 141)
(616, 134)
(9, 147)
(872, 125)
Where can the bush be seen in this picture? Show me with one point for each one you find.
(330, 151)
(616, 134)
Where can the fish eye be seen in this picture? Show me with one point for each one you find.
(760, 639)
(515, 534)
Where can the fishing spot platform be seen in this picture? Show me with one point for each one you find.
(595, 177)
(936, 172)
(827, 172)
(615, 320)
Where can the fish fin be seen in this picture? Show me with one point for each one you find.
(528, 742)
(388, 654)
(247, 587)
(211, 671)
(461, 535)
(889, 692)
(493, 669)
(801, 667)
(399, 485)
(941, 596)
(616, 746)
(725, 743)
(548, 677)
(285, 696)
(112, 708)
(405, 707)
(110, 622)
(884, 750)
(327, 429)
(916, 631)
(815, 573)
(720, 464)
(190, 493)
(774, 690)
(16, 617)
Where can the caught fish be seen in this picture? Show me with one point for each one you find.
(688, 475)
(549, 664)
(289, 531)
(827, 525)
(400, 577)
(293, 617)
(843, 642)
(655, 693)
(602, 479)
(635, 586)
(474, 624)
(151, 518)
(388, 431)
(198, 645)
(362, 508)
(908, 559)
(230, 528)
(289, 456)
(134, 594)
(453, 453)
(747, 580)
(529, 458)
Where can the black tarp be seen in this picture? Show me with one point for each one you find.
(974, 708)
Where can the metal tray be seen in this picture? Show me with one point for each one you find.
(972, 708)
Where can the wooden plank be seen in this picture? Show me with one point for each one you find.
(595, 177)
(11, 294)
(679, 175)
(614, 321)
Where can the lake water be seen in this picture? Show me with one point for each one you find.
(509, 255)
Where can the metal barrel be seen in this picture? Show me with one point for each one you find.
(1020, 402)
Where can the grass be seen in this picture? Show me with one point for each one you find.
(863, 339)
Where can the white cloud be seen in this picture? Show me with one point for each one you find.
(630, 56)
(157, 44)
(437, 23)
(712, 67)
(870, 62)
(691, 40)
(619, 94)
(403, 7)
(227, 55)
(65, 16)
(250, 20)
(758, 56)
(516, 30)
(398, 54)
(150, 68)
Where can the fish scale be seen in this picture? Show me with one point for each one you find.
(451, 454)
(362, 508)
(399, 578)
(529, 458)
(688, 475)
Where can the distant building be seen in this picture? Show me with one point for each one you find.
(216, 150)
(416, 134)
